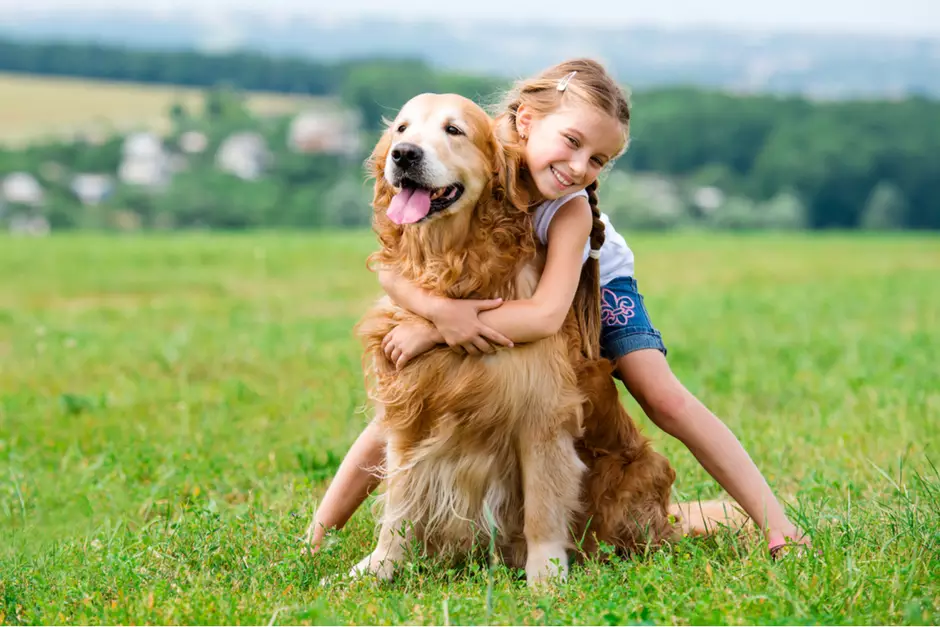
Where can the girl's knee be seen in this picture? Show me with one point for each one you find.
(653, 384)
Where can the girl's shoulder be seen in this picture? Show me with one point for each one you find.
(547, 210)
(556, 203)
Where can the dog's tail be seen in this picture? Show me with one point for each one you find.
(703, 518)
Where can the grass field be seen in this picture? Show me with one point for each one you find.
(41, 106)
(172, 406)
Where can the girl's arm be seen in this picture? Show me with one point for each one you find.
(456, 322)
(521, 321)
(408, 295)
(543, 314)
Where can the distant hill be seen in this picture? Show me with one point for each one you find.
(821, 66)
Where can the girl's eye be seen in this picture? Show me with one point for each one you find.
(402, 127)
(450, 129)
(572, 141)
(598, 162)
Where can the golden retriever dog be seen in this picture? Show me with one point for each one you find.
(528, 443)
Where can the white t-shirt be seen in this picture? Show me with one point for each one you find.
(616, 257)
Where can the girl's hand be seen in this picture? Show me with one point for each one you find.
(459, 324)
(407, 341)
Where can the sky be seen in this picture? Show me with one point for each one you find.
(896, 17)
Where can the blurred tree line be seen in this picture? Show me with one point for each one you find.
(839, 158)
(696, 157)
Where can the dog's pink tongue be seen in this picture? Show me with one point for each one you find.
(409, 205)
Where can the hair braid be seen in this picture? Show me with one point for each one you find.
(587, 300)
(597, 230)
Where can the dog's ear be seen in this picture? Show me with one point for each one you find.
(388, 232)
(507, 161)
(375, 165)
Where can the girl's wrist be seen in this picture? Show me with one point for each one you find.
(434, 308)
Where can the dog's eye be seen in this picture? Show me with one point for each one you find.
(402, 127)
(450, 129)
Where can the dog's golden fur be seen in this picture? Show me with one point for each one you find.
(534, 435)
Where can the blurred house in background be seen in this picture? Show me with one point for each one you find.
(145, 162)
(92, 189)
(21, 188)
(246, 155)
(335, 131)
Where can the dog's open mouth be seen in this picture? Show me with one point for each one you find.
(415, 203)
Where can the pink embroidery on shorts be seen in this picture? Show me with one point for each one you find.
(616, 309)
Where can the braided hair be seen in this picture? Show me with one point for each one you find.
(587, 308)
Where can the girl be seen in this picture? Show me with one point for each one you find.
(570, 122)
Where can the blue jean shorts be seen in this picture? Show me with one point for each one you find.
(625, 323)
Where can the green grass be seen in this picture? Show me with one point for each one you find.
(171, 408)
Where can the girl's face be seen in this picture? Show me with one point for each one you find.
(567, 149)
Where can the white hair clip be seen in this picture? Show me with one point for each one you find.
(563, 83)
(595, 253)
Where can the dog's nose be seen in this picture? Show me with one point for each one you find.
(405, 155)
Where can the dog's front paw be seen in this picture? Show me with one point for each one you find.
(383, 569)
(546, 562)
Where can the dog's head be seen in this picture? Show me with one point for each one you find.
(438, 158)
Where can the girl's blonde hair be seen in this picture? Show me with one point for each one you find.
(578, 80)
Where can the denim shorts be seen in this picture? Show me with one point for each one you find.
(625, 323)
